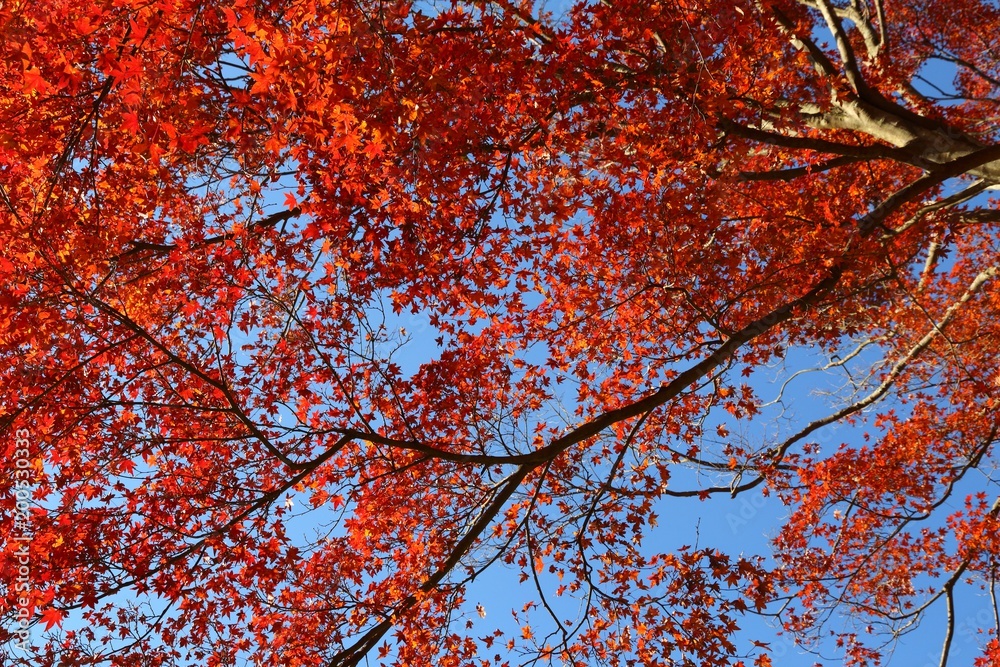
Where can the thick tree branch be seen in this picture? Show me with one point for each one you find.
(797, 172)
(354, 654)
(936, 177)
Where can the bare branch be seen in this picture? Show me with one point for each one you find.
(937, 329)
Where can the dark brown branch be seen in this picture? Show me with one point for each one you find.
(797, 172)
(933, 178)
(671, 390)
(354, 654)
(161, 248)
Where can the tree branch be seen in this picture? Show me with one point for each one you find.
(162, 248)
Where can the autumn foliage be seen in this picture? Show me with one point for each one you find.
(316, 314)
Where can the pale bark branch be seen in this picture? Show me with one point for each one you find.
(778, 452)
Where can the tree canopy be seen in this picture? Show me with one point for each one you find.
(315, 312)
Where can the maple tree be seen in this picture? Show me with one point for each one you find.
(313, 312)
